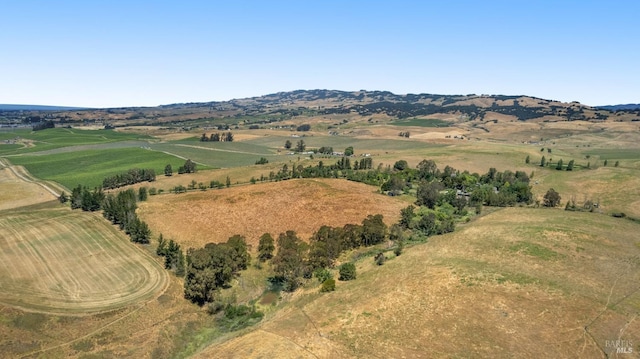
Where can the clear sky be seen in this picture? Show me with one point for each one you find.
(145, 53)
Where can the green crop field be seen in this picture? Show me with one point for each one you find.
(36, 141)
(63, 261)
(89, 168)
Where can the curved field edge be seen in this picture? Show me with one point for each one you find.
(66, 262)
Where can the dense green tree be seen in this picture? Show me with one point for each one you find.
(266, 247)
(570, 165)
(406, 216)
(347, 271)
(325, 247)
(559, 165)
(142, 194)
(348, 151)
(374, 230)
(616, 164)
(400, 165)
(527, 160)
(188, 167)
(287, 144)
(427, 170)
(428, 193)
(551, 198)
(63, 198)
(168, 171)
(543, 162)
(228, 182)
(350, 236)
(162, 246)
(605, 163)
(288, 261)
(240, 253)
(300, 146)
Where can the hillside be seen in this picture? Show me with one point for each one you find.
(518, 282)
(333, 104)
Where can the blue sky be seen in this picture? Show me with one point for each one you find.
(147, 53)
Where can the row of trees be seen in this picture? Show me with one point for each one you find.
(132, 176)
(217, 137)
(120, 209)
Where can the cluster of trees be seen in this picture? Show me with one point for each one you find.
(212, 268)
(132, 176)
(81, 197)
(120, 209)
(262, 161)
(455, 187)
(217, 137)
(404, 134)
(43, 125)
(188, 167)
(173, 256)
(296, 259)
(303, 128)
(343, 168)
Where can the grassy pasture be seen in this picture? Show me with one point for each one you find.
(91, 167)
(514, 283)
(421, 122)
(35, 141)
(62, 261)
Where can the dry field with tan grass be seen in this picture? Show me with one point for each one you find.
(197, 218)
(63, 261)
(525, 283)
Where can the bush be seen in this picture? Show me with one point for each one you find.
(347, 272)
(399, 247)
(380, 259)
(322, 274)
(328, 285)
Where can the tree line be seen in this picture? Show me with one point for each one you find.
(132, 176)
(217, 137)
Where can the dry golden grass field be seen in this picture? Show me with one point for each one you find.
(197, 218)
(63, 261)
(519, 282)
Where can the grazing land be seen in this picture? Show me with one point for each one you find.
(517, 282)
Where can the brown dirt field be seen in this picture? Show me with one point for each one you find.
(196, 218)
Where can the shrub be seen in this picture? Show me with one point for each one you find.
(380, 259)
(322, 275)
(328, 285)
(347, 272)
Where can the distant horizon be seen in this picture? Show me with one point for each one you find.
(144, 54)
(69, 108)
